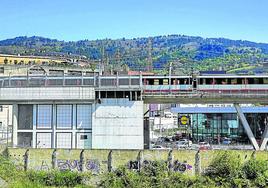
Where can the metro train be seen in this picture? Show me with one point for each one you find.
(206, 83)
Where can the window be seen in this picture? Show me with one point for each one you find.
(64, 116)
(44, 116)
(1, 125)
(1, 108)
(84, 116)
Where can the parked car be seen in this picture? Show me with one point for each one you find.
(184, 143)
(227, 141)
(204, 146)
(159, 147)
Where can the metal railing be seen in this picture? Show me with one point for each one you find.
(52, 81)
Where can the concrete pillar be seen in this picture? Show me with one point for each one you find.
(264, 139)
(26, 160)
(197, 163)
(246, 126)
(15, 125)
(110, 161)
(170, 161)
(54, 159)
(82, 161)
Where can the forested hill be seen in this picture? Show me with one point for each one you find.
(186, 53)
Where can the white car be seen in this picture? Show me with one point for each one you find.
(183, 143)
(159, 147)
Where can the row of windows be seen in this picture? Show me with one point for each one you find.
(64, 116)
(206, 81)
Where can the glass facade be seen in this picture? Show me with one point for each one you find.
(83, 116)
(64, 116)
(44, 116)
(213, 127)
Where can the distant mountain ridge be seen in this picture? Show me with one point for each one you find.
(185, 52)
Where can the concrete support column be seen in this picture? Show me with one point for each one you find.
(15, 125)
(246, 126)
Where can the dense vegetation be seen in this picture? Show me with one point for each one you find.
(227, 169)
(187, 53)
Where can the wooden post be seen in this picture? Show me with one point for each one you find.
(26, 160)
(197, 164)
(82, 161)
(54, 159)
(170, 160)
(110, 161)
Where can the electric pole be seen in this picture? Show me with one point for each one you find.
(149, 59)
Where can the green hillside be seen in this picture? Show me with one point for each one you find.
(187, 53)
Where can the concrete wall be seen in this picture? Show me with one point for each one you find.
(41, 159)
(117, 124)
(46, 93)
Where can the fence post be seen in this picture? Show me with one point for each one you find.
(140, 160)
(82, 161)
(197, 164)
(170, 160)
(110, 161)
(26, 160)
(54, 159)
(253, 155)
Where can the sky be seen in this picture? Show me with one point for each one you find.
(73, 20)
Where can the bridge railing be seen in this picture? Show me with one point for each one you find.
(50, 81)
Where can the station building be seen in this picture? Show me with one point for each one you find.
(212, 124)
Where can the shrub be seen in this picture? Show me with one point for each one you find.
(226, 165)
(57, 178)
(253, 168)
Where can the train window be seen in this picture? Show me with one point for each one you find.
(151, 82)
(239, 80)
(209, 81)
(250, 80)
(165, 81)
(265, 80)
(157, 82)
(233, 81)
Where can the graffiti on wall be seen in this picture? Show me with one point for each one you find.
(176, 165)
(90, 165)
